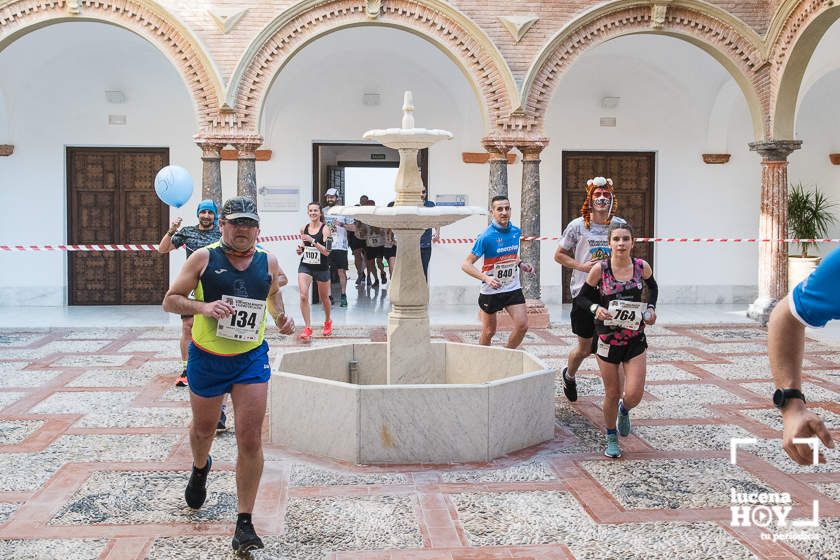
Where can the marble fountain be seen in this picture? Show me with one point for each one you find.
(410, 400)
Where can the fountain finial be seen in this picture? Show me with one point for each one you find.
(408, 110)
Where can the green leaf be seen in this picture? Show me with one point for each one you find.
(809, 214)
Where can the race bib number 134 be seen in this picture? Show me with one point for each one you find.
(246, 320)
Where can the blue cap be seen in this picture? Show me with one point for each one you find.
(208, 204)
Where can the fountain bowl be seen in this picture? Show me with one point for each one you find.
(492, 401)
(407, 138)
(407, 217)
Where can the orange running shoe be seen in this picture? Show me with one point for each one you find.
(306, 335)
(327, 328)
(182, 380)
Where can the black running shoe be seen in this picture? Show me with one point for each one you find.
(222, 425)
(245, 539)
(569, 386)
(196, 491)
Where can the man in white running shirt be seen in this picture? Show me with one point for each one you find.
(584, 243)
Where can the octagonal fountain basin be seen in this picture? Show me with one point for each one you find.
(335, 402)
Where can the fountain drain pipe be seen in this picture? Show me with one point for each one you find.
(353, 371)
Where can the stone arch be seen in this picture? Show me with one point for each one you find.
(731, 42)
(142, 17)
(794, 34)
(434, 20)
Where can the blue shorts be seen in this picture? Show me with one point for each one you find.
(209, 375)
(816, 300)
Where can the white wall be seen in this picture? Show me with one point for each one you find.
(668, 90)
(318, 97)
(5, 132)
(818, 125)
(55, 81)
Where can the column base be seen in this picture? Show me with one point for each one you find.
(538, 317)
(760, 309)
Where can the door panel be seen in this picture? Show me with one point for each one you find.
(633, 176)
(112, 200)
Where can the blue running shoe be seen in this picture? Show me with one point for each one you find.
(623, 420)
(612, 449)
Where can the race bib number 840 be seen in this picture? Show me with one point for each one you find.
(504, 272)
(246, 320)
(626, 314)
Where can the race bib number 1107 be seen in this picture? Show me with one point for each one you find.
(246, 320)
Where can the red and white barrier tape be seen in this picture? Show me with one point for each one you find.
(446, 240)
(92, 247)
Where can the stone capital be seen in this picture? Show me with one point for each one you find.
(775, 150)
(497, 147)
(531, 149)
(247, 145)
(210, 147)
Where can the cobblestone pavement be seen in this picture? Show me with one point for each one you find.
(94, 457)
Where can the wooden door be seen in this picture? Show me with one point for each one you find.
(111, 199)
(633, 175)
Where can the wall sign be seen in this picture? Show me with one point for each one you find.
(452, 200)
(279, 199)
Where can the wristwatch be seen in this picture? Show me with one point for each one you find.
(781, 396)
(594, 308)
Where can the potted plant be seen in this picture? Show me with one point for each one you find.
(809, 217)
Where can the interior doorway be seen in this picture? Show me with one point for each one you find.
(355, 169)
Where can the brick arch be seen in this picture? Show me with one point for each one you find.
(434, 20)
(794, 34)
(142, 17)
(731, 42)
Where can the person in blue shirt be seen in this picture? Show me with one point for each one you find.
(501, 289)
(811, 303)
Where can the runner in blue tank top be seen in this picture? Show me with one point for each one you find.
(498, 245)
(811, 303)
(235, 285)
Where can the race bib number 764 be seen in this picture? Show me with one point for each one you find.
(245, 322)
(626, 314)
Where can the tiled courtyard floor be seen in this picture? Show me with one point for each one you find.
(94, 457)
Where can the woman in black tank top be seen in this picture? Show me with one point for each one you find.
(613, 294)
(314, 250)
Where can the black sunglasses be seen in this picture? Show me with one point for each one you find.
(244, 222)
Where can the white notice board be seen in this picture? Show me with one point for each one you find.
(279, 199)
(452, 200)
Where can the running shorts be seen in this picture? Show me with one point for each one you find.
(618, 353)
(338, 259)
(211, 375)
(583, 322)
(492, 303)
(374, 252)
(318, 275)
